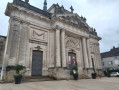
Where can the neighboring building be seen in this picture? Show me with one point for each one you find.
(2, 48)
(110, 59)
(50, 42)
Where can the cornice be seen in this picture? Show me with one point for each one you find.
(12, 7)
(20, 20)
(95, 37)
(57, 27)
(32, 24)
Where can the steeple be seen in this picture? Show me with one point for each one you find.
(45, 5)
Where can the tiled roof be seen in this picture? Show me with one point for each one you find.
(113, 52)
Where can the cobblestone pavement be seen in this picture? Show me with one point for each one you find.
(82, 84)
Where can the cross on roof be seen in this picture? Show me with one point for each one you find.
(71, 9)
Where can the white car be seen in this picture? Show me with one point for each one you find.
(114, 74)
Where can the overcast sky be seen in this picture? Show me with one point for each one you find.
(103, 15)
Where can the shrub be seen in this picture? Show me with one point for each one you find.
(75, 68)
(18, 68)
(94, 73)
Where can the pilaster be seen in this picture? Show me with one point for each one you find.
(7, 49)
(89, 56)
(63, 48)
(58, 62)
(99, 57)
(85, 53)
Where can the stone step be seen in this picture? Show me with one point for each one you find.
(2, 82)
(37, 79)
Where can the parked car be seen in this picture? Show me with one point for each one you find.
(114, 74)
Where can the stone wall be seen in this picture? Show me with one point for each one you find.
(59, 73)
(2, 47)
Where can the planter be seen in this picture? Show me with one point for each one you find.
(75, 72)
(75, 76)
(93, 75)
(17, 79)
(18, 76)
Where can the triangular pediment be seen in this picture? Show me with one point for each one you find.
(75, 19)
(59, 11)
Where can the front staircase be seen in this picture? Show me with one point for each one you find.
(37, 79)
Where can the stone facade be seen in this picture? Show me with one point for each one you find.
(2, 48)
(55, 33)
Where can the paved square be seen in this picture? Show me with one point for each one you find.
(83, 84)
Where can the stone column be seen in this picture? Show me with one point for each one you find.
(99, 57)
(85, 53)
(58, 62)
(89, 56)
(63, 48)
(97, 60)
(81, 54)
(95, 57)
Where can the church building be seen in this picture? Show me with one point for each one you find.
(50, 42)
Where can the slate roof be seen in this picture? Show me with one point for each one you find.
(113, 52)
(32, 8)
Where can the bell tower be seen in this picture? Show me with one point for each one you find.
(45, 5)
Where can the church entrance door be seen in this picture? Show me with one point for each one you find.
(37, 58)
(72, 61)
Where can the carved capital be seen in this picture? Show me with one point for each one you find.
(57, 27)
(63, 30)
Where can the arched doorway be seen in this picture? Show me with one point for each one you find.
(73, 47)
(72, 61)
